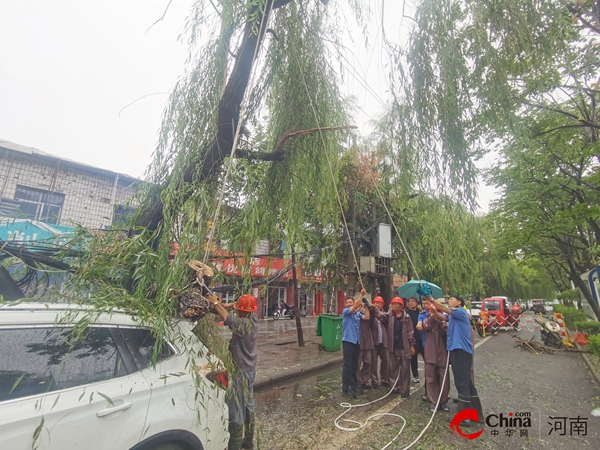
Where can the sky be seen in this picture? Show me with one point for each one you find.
(88, 81)
(69, 67)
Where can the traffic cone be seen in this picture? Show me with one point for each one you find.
(582, 338)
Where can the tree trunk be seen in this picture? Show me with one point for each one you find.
(8, 287)
(212, 157)
(296, 309)
(581, 284)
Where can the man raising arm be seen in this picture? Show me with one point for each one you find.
(351, 317)
(461, 353)
(242, 346)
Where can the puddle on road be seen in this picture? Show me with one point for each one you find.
(295, 414)
(290, 412)
(323, 381)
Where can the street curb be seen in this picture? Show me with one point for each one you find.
(590, 365)
(293, 373)
(268, 381)
(586, 360)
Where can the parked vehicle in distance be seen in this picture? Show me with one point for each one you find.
(537, 305)
(104, 391)
(284, 310)
(516, 309)
(475, 309)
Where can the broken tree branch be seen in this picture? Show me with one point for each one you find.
(277, 154)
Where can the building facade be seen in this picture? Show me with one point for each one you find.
(42, 187)
(280, 288)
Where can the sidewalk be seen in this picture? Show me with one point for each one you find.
(279, 361)
(280, 358)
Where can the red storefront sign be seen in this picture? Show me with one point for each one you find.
(264, 268)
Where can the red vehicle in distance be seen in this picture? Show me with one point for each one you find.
(498, 312)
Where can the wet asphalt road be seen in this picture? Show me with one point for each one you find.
(549, 389)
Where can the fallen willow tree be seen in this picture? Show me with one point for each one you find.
(249, 150)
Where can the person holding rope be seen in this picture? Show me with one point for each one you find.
(351, 318)
(413, 310)
(400, 345)
(461, 353)
(380, 351)
(242, 347)
(365, 361)
(436, 356)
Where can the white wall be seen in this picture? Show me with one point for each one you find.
(89, 196)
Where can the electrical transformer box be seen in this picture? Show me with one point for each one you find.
(384, 240)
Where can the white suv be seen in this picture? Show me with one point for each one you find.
(104, 392)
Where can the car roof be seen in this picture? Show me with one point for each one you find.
(49, 313)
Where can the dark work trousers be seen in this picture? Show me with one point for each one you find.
(380, 352)
(461, 369)
(351, 353)
(399, 364)
(434, 375)
(241, 403)
(365, 363)
(414, 361)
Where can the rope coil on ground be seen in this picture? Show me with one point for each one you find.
(361, 425)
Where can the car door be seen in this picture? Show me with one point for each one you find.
(56, 395)
(180, 401)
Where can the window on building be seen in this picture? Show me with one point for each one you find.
(275, 295)
(122, 214)
(38, 204)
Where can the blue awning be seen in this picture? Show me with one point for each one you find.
(27, 231)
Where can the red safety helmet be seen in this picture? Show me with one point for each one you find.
(246, 303)
(378, 299)
(397, 300)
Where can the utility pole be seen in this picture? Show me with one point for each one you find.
(296, 309)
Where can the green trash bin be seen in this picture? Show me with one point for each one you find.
(330, 328)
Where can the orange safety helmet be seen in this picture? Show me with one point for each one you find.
(378, 299)
(246, 303)
(397, 300)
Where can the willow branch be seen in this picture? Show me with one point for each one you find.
(586, 23)
(565, 113)
(575, 125)
(277, 154)
(162, 18)
(587, 90)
